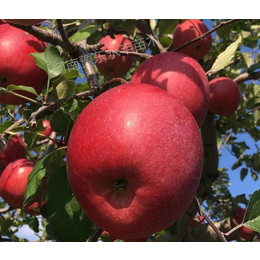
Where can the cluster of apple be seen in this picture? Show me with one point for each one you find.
(135, 153)
(14, 171)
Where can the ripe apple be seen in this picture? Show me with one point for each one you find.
(25, 21)
(188, 31)
(13, 182)
(15, 149)
(142, 239)
(134, 160)
(47, 125)
(224, 96)
(17, 66)
(114, 65)
(181, 76)
(236, 219)
(197, 221)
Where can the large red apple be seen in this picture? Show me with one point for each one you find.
(134, 160)
(17, 65)
(114, 65)
(181, 76)
(224, 96)
(14, 149)
(25, 21)
(13, 182)
(188, 31)
(236, 219)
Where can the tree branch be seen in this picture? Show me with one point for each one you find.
(96, 234)
(245, 76)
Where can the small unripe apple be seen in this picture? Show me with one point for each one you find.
(14, 149)
(25, 21)
(17, 65)
(188, 31)
(134, 160)
(236, 219)
(181, 76)
(13, 182)
(114, 65)
(224, 96)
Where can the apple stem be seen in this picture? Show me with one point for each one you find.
(120, 184)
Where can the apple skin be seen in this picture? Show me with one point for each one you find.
(47, 126)
(15, 149)
(18, 67)
(181, 76)
(141, 138)
(236, 219)
(115, 65)
(25, 21)
(188, 31)
(13, 182)
(224, 96)
(142, 239)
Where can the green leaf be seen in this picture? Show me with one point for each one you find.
(84, 33)
(35, 178)
(226, 56)
(61, 122)
(10, 88)
(33, 223)
(252, 216)
(243, 173)
(254, 68)
(67, 221)
(5, 125)
(65, 88)
(167, 26)
(129, 26)
(55, 64)
(40, 60)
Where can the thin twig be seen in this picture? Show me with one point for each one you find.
(245, 76)
(201, 212)
(5, 210)
(95, 235)
(233, 229)
(225, 144)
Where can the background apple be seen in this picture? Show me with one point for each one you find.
(197, 221)
(224, 96)
(21, 69)
(181, 76)
(47, 126)
(188, 31)
(25, 21)
(236, 219)
(13, 182)
(127, 160)
(114, 65)
(14, 149)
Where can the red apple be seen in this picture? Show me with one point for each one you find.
(25, 21)
(47, 125)
(188, 31)
(181, 76)
(197, 221)
(114, 65)
(134, 160)
(13, 182)
(142, 239)
(236, 219)
(15, 149)
(17, 65)
(224, 96)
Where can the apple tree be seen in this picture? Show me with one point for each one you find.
(64, 92)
